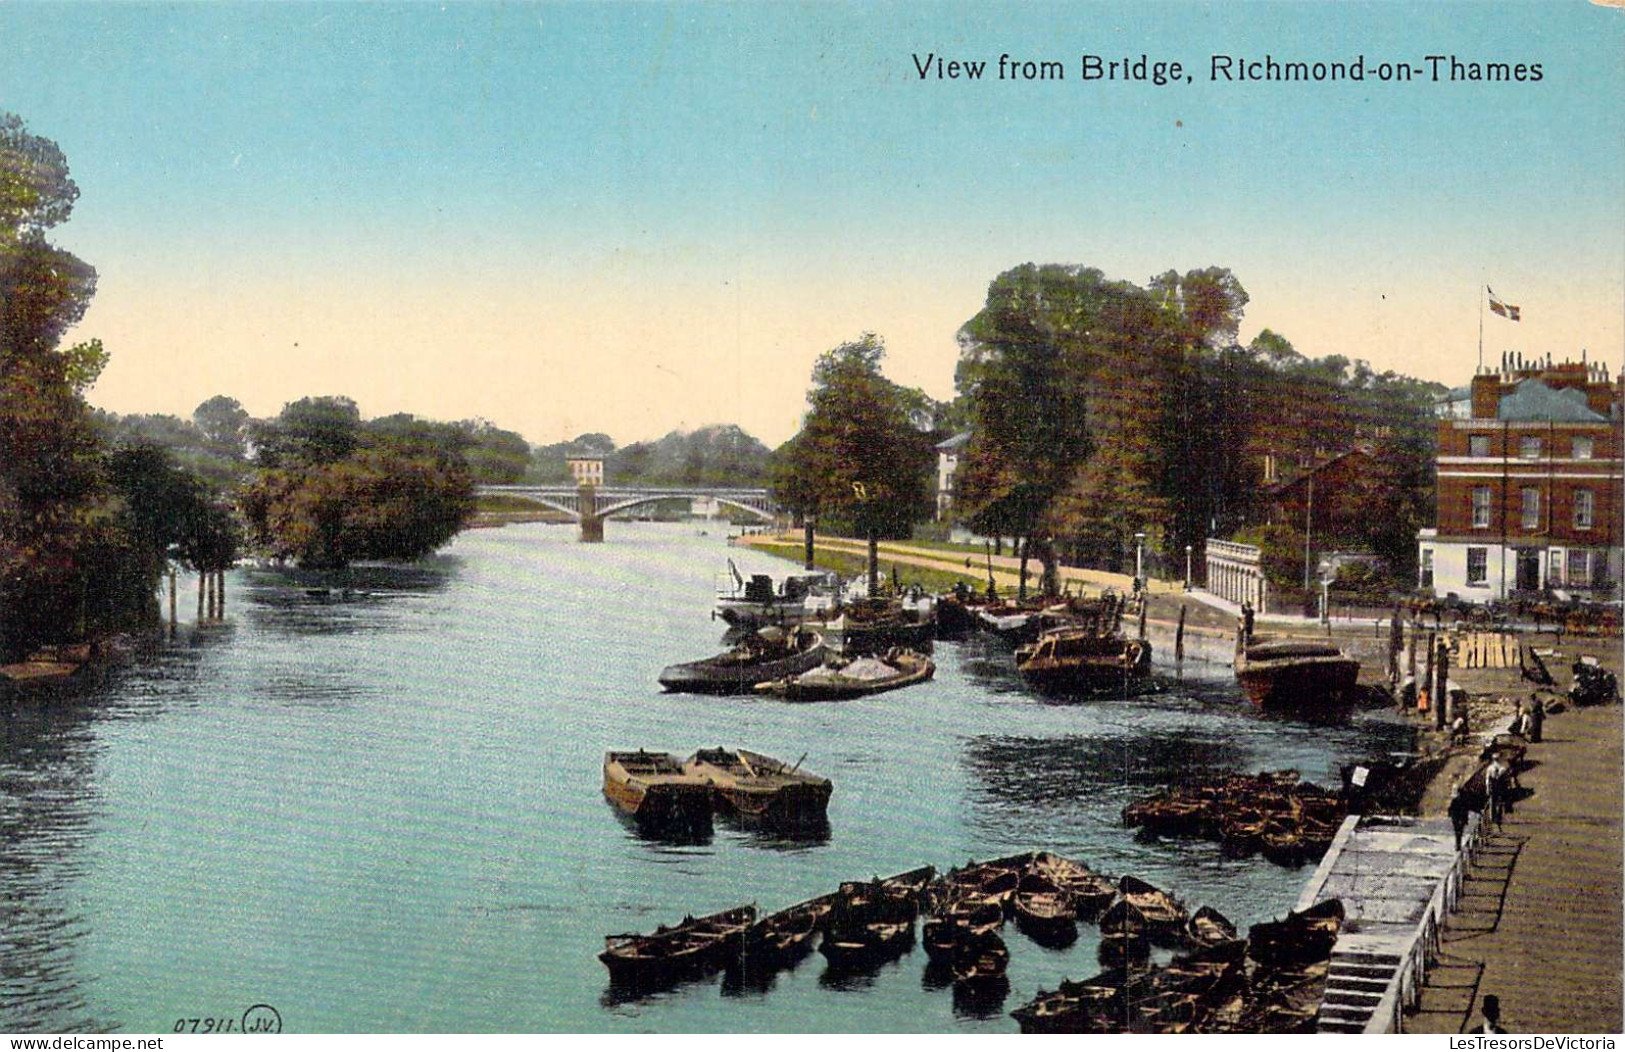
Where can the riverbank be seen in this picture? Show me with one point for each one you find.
(1209, 629)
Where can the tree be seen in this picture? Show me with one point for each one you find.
(1024, 365)
(376, 504)
(224, 423)
(857, 458)
(52, 488)
(310, 431)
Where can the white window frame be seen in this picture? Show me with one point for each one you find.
(1585, 509)
(1529, 447)
(1584, 448)
(1478, 445)
(1579, 558)
(1483, 579)
(1480, 496)
(1531, 508)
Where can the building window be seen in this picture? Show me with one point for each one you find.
(1582, 509)
(1554, 568)
(1481, 508)
(1531, 508)
(1529, 447)
(1269, 467)
(1579, 566)
(1583, 449)
(1478, 565)
(1427, 567)
(1478, 445)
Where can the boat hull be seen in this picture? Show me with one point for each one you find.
(667, 804)
(693, 948)
(791, 805)
(846, 690)
(1298, 683)
(709, 677)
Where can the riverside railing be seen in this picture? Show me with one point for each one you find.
(1416, 948)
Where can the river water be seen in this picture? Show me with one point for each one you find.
(379, 808)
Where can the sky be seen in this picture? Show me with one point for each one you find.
(632, 218)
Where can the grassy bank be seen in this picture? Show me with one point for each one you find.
(849, 564)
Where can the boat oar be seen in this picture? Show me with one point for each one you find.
(798, 764)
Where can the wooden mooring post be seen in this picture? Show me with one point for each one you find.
(1179, 639)
(1442, 695)
(1427, 680)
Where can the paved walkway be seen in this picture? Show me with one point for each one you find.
(1539, 921)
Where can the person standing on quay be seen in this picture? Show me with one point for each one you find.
(1492, 1017)
(1537, 717)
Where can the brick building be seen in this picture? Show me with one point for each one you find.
(1529, 485)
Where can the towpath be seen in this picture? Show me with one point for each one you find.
(1539, 923)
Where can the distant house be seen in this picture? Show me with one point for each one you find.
(1323, 498)
(587, 470)
(1457, 404)
(1529, 494)
(948, 453)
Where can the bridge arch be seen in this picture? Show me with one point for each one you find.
(732, 502)
(545, 501)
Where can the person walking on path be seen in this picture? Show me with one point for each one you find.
(1459, 809)
(1492, 1017)
(1495, 788)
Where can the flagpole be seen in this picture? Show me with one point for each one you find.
(1482, 291)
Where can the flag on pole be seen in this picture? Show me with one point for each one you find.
(1505, 310)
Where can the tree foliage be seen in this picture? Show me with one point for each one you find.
(858, 460)
(1100, 409)
(375, 504)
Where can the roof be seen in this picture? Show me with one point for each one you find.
(1534, 400)
(1298, 479)
(955, 444)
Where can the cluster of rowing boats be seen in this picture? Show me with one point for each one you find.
(865, 924)
(668, 796)
(1289, 822)
(1270, 982)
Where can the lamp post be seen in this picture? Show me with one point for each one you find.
(1325, 585)
(1139, 561)
(1187, 567)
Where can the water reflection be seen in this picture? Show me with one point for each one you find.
(47, 811)
(792, 839)
(1044, 773)
(981, 1001)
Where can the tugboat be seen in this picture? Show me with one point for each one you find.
(753, 603)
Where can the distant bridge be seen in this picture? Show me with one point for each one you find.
(591, 505)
